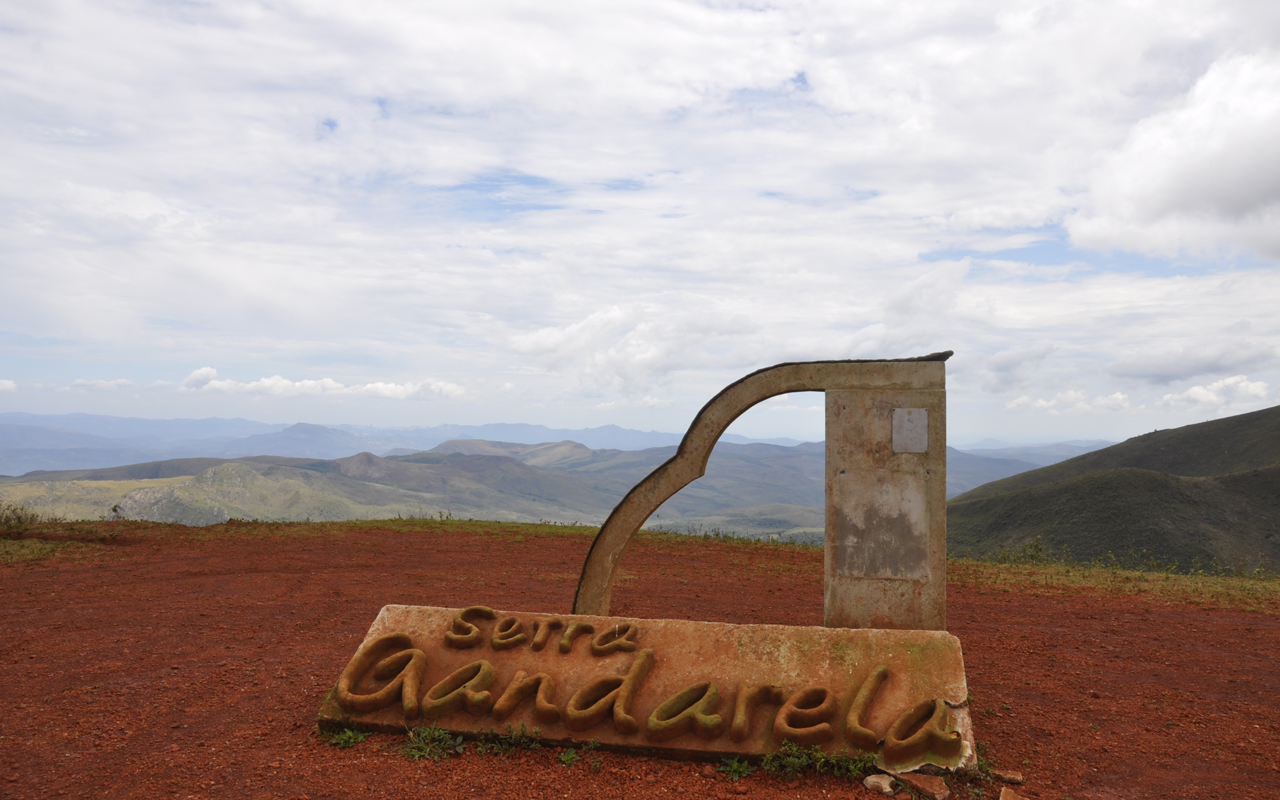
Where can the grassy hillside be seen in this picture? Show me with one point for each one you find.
(756, 489)
(1219, 447)
(781, 522)
(195, 492)
(1233, 519)
(76, 499)
(737, 474)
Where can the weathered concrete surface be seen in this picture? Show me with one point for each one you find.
(886, 531)
(805, 664)
(892, 378)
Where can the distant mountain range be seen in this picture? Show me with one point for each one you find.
(1197, 493)
(1200, 493)
(1042, 455)
(563, 481)
(754, 489)
(82, 441)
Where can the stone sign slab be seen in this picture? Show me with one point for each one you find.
(671, 687)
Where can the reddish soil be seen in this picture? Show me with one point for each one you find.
(172, 666)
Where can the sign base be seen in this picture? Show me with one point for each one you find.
(675, 688)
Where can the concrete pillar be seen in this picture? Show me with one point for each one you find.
(886, 494)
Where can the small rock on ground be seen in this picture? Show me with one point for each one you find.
(1008, 794)
(1007, 776)
(930, 786)
(879, 783)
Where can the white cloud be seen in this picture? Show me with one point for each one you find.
(1164, 365)
(1071, 402)
(1011, 368)
(599, 206)
(8, 386)
(199, 378)
(101, 385)
(643, 402)
(1202, 175)
(1027, 402)
(206, 380)
(1237, 390)
(789, 408)
(630, 349)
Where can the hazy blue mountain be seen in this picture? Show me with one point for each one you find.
(31, 447)
(136, 430)
(21, 460)
(605, 437)
(300, 441)
(1040, 455)
(86, 441)
(37, 437)
(968, 470)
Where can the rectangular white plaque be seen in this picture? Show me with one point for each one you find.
(911, 430)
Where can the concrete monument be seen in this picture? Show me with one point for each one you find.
(881, 677)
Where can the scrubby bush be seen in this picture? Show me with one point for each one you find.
(16, 520)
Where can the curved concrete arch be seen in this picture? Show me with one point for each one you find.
(595, 586)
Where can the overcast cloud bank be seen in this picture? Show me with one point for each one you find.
(575, 216)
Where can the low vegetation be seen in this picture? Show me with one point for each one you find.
(432, 743)
(1256, 590)
(1230, 518)
(1194, 495)
(504, 744)
(735, 768)
(792, 760)
(347, 737)
(1031, 567)
(16, 519)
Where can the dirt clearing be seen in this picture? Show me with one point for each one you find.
(189, 663)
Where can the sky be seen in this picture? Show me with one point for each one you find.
(579, 214)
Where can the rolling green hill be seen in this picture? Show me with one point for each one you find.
(1199, 493)
(1221, 446)
(753, 489)
(197, 492)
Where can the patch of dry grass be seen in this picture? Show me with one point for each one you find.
(1260, 592)
(29, 550)
(1256, 593)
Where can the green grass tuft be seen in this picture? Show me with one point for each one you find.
(792, 760)
(505, 744)
(735, 768)
(348, 737)
(432, 743)
(1249, 592)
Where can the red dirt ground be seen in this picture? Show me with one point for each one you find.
(176, 666)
